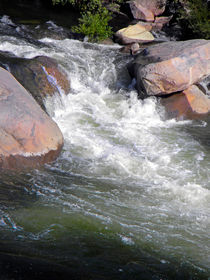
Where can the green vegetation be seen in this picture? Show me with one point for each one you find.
(94, 20)
(200, 18)
(95, 26)
(194, 16)
(63, 2)
(197, 15)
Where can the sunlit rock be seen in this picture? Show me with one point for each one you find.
(134, 34)
(169, 67)
(192, 103)
(147, 10)
(28, 137)
(139, 11)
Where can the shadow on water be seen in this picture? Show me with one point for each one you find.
(21, 12)
(15, 190)
(63, 246)
(87, 257)
(200, 132)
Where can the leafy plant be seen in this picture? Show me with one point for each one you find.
(197, 15)
(94, 25)
(200, 18)
(94, 21)
(56, 2)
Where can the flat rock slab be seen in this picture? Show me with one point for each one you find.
(170, 67)
(192, 103)
(134, 34)
(28, 136)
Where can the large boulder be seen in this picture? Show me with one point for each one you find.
(41, 75)
(147, 10)
(192, 103)
(169, 67)
(134, 34)
(28, 137)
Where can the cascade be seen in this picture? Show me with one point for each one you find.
(130, 191)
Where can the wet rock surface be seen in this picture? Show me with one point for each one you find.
(41, 76)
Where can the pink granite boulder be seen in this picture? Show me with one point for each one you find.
(28, 136)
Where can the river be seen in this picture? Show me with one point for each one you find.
(129, 196)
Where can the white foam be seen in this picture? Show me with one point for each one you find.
(159, 172)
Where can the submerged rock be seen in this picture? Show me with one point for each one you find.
(28, 137)
(192, 103)
(169, 67)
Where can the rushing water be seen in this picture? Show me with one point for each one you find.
(129, 196)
